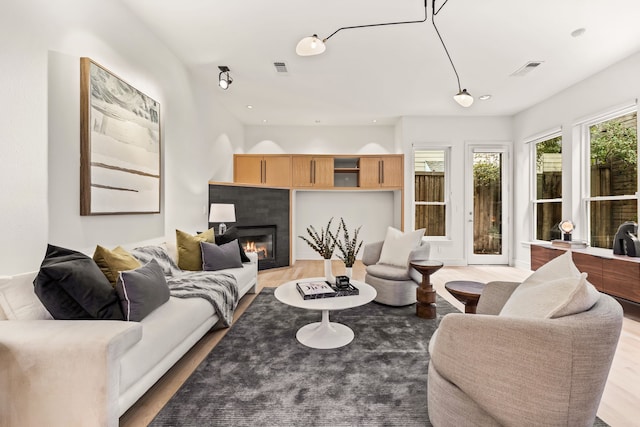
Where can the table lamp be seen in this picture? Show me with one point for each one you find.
(222, 212)
(567, 228)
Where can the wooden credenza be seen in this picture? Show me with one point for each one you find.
(616, 275)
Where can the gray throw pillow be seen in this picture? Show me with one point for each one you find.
(142, 290)
(218, 257)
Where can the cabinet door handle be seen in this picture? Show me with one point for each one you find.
(313, 171)
(379, 172)
(264, 172)
(382, 171)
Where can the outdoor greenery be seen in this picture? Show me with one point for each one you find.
(613, 140)
(486, 171)
(553, 145)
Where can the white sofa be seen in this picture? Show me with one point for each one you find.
(89, 372)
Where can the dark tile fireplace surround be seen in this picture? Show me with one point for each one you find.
(262, 220)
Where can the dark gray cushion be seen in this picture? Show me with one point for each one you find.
(218, 257)
(388, 272)
(72, 286)
(230, 235)
(142, 290)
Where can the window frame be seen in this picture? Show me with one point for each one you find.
(447, 189)
(533, 193)
(585, 164)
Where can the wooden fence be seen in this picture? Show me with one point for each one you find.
(429, 187)
(606, 216)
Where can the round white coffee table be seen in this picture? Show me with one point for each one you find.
(324, 334)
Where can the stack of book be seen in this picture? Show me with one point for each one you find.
(569, 244)
(316, 290)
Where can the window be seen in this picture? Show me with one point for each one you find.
(430, 191)
(612, 183)
(547, 187)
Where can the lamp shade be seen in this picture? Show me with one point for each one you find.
(567, 226)
(222, 212)
(309, 46)
(464, 98)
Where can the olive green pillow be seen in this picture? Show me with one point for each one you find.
(112, 262)
(189, 252)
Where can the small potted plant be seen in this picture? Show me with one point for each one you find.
(324, 244)
(348, 247)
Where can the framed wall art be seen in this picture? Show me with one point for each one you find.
(119, 145)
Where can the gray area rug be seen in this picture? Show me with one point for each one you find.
(260, 375)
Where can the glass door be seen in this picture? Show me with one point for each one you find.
(486, 213)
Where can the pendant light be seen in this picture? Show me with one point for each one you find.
(313, 45)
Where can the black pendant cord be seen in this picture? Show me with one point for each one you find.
(433, 21)
(380, 25)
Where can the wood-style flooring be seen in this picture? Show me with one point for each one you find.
(620, 406)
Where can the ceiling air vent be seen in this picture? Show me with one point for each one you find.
(528, 67)
(281, 67)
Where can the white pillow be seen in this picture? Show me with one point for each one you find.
(398, 245)
(19, 301)
(556, 289)
(561, 266)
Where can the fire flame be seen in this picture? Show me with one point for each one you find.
(261, 250)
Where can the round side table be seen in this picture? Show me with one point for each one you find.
(425, 294)
(467, 292)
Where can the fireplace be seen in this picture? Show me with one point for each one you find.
(262, 220)
(260, 239)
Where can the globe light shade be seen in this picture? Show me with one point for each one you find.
(567, 228)
(464, 98)
(310, 46)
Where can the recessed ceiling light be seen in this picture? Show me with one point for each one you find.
(249, 107)
(374, 121)
(264, 120)
(484, 97)
(578, 32)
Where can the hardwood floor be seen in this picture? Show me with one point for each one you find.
(620, 406)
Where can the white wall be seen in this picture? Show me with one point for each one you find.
(39, 128)
(452, 132)
(374, 211)
(615, 86)
(320, 139)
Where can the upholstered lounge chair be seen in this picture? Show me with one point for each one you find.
(495, 370)
(395, 285)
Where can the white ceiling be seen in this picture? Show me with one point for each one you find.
(383, 73)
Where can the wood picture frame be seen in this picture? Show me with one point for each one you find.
(120, 156)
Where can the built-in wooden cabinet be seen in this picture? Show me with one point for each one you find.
(616, 275)
(268, 170)
(312, 171)
(321, 171)
(383, 171)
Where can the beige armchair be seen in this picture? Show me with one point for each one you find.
(494, 370)
(395, 285)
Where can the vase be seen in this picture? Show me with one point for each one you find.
(327, 271)
(348, 272)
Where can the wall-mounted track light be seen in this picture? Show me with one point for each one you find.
(224, 79)
(313, 45)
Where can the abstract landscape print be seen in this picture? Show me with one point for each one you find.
(120, 145)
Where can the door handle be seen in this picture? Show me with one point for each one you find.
(382, 170)
(264, 179)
